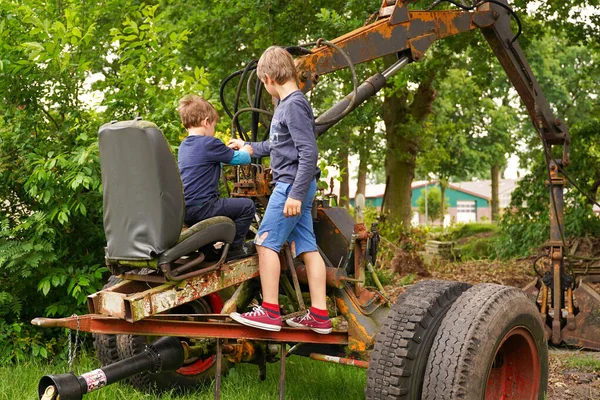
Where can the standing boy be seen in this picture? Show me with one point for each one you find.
(293, 150)
(200, 158)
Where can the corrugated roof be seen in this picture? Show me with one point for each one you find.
(478, 188)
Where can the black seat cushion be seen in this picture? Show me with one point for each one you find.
(216, 229)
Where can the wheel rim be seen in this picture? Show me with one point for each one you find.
(200, 366)
(515, 370)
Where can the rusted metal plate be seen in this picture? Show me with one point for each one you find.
(362, 328)
(161, 327)
(333, 229)
(388, 36)
(586, 332)
(123, 302)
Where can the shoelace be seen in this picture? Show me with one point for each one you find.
(305, 317)
(257, 311)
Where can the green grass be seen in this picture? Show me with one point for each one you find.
(305, 379)
(586, 363)
(460, 231)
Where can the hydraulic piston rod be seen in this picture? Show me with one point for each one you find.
(365, 91)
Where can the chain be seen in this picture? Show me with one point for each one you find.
(73, 346)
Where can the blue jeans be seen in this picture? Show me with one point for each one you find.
(241, 211)
(275, 229)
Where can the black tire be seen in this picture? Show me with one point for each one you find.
(490, 345)
(130, 345)
(106, 345)
(398, 360)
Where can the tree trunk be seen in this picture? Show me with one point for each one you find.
(361, 184)
(443, 186)
(495, 190)
(345, 182)
(402, 122)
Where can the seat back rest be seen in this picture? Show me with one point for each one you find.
(143, 193)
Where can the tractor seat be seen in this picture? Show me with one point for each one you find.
(143, 199)
(211, 230)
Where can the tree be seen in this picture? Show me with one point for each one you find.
(570, 81)
(405, 113)
(430, 203)
(50, 197)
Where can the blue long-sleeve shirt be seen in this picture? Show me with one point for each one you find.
(292, 145)
(200, 159)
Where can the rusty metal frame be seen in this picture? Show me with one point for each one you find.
(402, 30)
(189, 329)
(129, 300)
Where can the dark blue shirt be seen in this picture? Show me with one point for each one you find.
(200, 159)
(292, 145)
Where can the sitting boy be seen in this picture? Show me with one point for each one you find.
(200, 158)
(292, 147)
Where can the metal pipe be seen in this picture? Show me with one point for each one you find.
(165, 354)
(364, 92)
(394, 68)
(293, 349)
(334, 277)
(556, 250)
(290, 261)
(173, 276)
(544, 305)
(218, 372)
(339, 360)
(282, 372)
(188, 265)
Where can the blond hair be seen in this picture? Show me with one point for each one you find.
(195, 109)
(278, 64)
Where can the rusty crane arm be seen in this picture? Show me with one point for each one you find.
(409, 34)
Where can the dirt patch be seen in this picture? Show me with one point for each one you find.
(567, 382)
(510, 273)
(405, 263)
(471, 238)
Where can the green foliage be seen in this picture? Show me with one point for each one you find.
(147, 65)
(434, 203)
(480, 248)
(527, 226)
(51, 236)
(588, 363)
(385, 276)
(19, 341)
(460, 231)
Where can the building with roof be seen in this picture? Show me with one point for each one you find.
(468, 201)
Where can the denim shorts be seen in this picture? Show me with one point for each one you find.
(275, 229)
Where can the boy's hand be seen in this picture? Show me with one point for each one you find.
(292, 207)
(248, 149)
(236, 144)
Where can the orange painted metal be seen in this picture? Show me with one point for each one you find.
(390, 35)
(189, 329)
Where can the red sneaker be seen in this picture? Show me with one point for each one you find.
(258, 318)
(308, 321)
